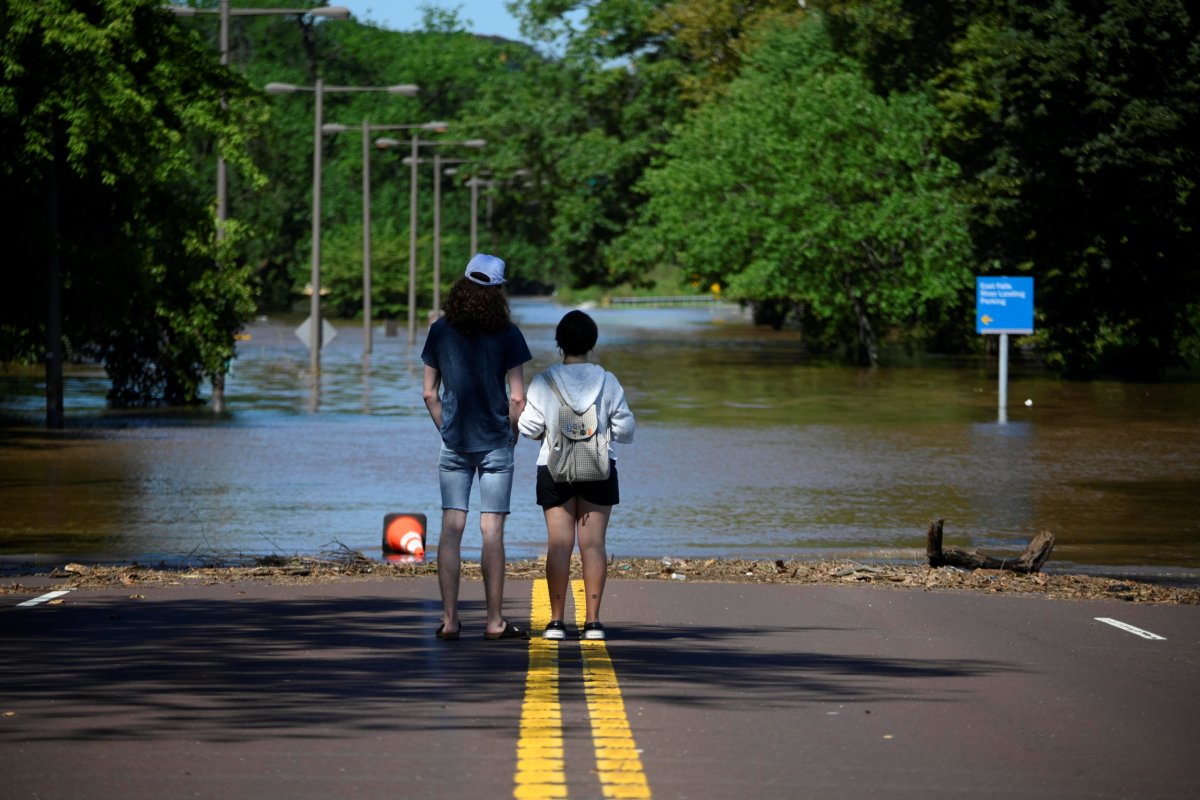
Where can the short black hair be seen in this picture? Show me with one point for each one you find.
(576, 333)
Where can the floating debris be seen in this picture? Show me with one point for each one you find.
(340, 564)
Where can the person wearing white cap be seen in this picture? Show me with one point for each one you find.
(474, 389)
(485, 270)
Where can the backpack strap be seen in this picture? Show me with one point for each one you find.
(554, 388)
(558, 394)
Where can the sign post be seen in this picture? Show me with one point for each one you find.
(1003, 305)
(316, 337)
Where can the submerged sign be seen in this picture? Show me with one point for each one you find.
(1003, 305)
(304, 332)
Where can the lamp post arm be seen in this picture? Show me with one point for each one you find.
(335, 127)
(406, 89)
(328, 12)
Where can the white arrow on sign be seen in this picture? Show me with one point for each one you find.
(327, 332)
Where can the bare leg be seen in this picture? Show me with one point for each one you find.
(560, 541)
(593, 525)
(491, 526)
(449, 556)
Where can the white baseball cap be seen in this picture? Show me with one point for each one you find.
(486, 270)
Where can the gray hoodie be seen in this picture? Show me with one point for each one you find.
(581, 385)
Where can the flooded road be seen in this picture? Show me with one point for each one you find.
(745, 447)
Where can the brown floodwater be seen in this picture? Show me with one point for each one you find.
(745, 447)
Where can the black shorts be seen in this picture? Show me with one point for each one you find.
(601, 493)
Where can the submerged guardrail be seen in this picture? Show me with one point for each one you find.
(679, 300)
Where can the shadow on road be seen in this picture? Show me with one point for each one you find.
(779, 665)
(230, 670)
(219, 670)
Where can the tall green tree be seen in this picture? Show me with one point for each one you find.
(711, 37)
(1075, 123)
(804, 187)
(579, 128)
(98, 104)
(451, 66)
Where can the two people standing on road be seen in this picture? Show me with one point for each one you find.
(474, 388)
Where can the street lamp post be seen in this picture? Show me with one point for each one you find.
(367, 129)
(366, 232)
(437, 231)
(476, 182)
(438, 161)
(319, 91)
(224, 12)
(416, 144)
(412, 245)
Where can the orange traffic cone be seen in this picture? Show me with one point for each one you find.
(411, 543)
(404, 534)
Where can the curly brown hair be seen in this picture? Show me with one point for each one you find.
(473, 309)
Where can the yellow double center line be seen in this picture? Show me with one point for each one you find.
(541, 772)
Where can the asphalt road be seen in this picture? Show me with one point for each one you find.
(729, 691)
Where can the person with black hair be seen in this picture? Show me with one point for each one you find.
(578, 511)
(474, 389)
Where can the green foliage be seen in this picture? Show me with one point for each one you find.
(849, 160)
(904, 44)
(451, 68)
(1075, 123)
(711, 37)
(802, 186)
(584, 128)
(178, 325)
(98, 102)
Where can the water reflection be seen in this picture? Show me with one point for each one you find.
(745, 447)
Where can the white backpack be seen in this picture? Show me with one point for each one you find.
(577, 452)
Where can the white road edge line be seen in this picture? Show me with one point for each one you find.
(48, 596)
(1125, 626)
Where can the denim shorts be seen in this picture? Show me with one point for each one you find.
(456, 472)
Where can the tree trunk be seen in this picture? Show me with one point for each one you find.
(769, 312)
(868, 346)
(54, 343)
(1029, 562)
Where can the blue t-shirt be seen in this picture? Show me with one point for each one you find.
(474, 389)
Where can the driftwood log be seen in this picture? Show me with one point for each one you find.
(1030, 561)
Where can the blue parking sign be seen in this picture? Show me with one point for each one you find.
(1003, 305)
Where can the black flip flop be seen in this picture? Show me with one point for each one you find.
(510, 632)
(448, 637)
